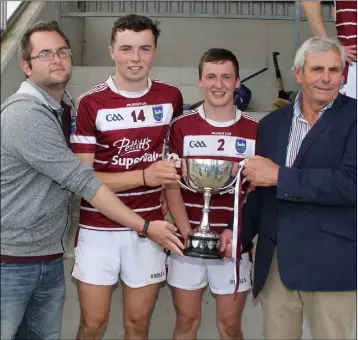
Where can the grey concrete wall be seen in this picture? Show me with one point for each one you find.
(11, 78)
(73, 28)
(184, 40)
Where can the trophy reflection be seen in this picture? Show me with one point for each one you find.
(206, 176)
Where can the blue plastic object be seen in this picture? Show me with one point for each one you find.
(242, 97)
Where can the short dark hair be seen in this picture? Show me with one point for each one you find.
(215, 55)
(136, 23)
(25, 47)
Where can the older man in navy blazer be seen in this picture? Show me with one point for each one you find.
(304, 205)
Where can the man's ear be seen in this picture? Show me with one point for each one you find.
(26, 68)
(298, 74)
(111, 52)
(200, 84)
(238, 82)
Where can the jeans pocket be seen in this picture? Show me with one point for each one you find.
(19, 278)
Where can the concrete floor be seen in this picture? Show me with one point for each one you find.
(163, 319)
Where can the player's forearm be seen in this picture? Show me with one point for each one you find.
(122, 181)
(112, 207)
(177, 208)
(117, 182)
(314, 17)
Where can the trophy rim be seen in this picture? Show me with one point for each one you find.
(228, 182)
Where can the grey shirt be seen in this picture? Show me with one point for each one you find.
(39, 173)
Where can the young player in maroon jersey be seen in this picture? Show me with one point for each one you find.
(216, 129)
(120, 129)
(345, 17)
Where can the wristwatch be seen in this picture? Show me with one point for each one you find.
(143, 233)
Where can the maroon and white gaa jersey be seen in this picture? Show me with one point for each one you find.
(194, 136)
(125, 131)
(346, 22)
(346, 26)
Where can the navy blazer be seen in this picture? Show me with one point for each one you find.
(311, 216)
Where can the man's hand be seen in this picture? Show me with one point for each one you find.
(351, 53)
(161, 172)
(249, 188)
(185, 233)
(161, 233)
(235, 169)
(226, 243)
(261, 172)
(163, 201)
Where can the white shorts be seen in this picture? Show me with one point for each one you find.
(352, 81)
(101, 255)
(350, 88)
(194, 273)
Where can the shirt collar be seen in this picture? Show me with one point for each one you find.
(128, 94)
(201, 112)
(297, 106)
(33, 89)
(50, 100)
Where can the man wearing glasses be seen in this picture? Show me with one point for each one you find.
(39, 173)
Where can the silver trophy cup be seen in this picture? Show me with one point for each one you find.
(206, 176)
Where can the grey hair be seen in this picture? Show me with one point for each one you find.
(318, 44)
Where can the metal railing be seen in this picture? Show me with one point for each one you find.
(3, 16)
(271, 10)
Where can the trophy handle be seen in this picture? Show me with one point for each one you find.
(229, 187)
(177, 160)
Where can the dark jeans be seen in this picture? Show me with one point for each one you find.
(32, 297)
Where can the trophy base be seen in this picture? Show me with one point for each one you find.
(203, 247)
(202, 255)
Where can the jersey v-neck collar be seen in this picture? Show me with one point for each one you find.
(128, 94)
(219, 124)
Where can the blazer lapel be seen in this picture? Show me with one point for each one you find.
(319, 127)
(283, 135)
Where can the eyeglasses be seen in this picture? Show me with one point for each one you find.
(49, 55)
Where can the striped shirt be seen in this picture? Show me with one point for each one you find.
(299, 129)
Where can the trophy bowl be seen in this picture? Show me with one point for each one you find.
(213, 174)
(206, 176)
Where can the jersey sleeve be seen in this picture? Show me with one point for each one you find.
(175, 140)
(177, 104)
(83, 137)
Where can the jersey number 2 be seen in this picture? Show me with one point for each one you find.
(221, 144)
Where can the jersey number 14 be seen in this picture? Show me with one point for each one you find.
(140, 116)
